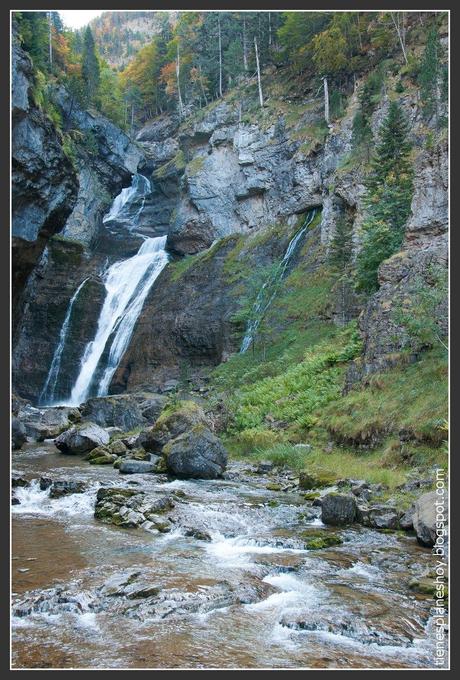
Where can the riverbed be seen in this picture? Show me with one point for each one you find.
(92, 595)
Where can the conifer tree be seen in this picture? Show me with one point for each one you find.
(429, 76)
(90, 70)
(342, 244)
(388, 199)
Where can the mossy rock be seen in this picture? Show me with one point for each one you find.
(317, 540)
(272, 503)
(272, 486)
(313, 495)
(316, 480)
(102, 460)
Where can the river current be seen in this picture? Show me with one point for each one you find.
(250, 596)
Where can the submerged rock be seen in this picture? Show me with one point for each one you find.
(131, 467)
(61, 488)
(338, 509)
(197, 454)
(82, 438)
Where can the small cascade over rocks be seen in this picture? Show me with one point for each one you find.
(269, 289)
(128, 205)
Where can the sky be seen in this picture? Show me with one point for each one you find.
(76, 18)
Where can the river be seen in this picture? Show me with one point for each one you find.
(250, 597)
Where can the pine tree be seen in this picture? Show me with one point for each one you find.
(388, 199)
(342, 244)
(90, 70)
(429, 76)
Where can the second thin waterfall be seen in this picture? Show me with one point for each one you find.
(270, 288)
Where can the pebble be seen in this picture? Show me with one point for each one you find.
(23, 570)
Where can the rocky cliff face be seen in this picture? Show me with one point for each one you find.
(44, 182)
(58, 235)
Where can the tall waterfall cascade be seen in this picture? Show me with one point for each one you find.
(127, 284)
(268, 291)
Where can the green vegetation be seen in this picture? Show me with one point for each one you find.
(388, 199)
(409, 398)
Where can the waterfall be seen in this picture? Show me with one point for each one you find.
(47, 394)
(119, 211)
(271, 285)
(127, 284)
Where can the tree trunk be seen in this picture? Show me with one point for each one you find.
(50, 43)
(261, 99)
(202, 86)
(326, 101)
(220, 56)
(245, 47)
(181, 107)
(269, 29)
(401, 31)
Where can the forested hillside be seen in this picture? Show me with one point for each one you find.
(120, 35)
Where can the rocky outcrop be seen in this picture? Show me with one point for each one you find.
(416, 266)
(105, 160)
(196, 454)
(81, 438)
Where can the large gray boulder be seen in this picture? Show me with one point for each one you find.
(171, 423)
(126, 411)
(424, 517)
(197, 454)
(338, 509)
(47, 423)
(82, 438)
(18, 433)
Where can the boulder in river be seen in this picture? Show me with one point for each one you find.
(130, 466)
(130, 508)
(65, 487)
(82, 438)
(424, 517)
(18, 433)
(126, 411)
(197, 454)
(378, 516)
(47, 423)
(338, 509)
(172, 422)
